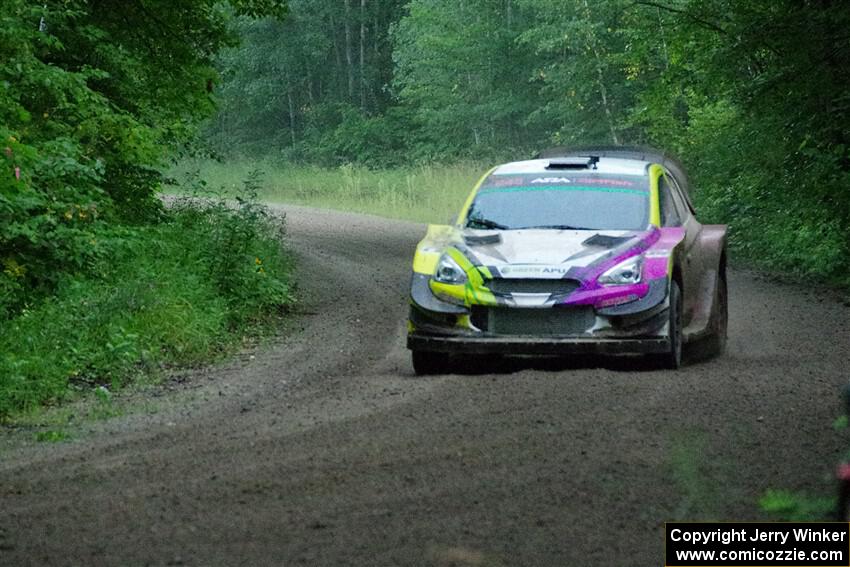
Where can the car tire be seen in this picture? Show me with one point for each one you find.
(427, 363)
(716, 342)
(672, 359)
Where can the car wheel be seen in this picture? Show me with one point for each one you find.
(427, 362)
(672, 359)
(716, 342)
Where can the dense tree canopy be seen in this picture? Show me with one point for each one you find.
(752, 94)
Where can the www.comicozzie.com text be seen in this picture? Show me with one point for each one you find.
(744, 534)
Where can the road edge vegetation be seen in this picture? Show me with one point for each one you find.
(99, 282)
(174, 292)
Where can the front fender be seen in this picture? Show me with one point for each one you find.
(712, 243)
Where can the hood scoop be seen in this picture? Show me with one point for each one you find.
(603, 241)
(484, 240)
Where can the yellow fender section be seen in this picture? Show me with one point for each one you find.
(430, 248)
(655, 173)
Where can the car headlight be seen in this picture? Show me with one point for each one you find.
(626, 272)
(448, 271)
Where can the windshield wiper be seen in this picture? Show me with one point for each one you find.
(558, 227)
(485, 223)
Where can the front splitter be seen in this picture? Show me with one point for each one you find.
(536, 345)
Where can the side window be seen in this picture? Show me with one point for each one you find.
(678, 198)
(669, 213)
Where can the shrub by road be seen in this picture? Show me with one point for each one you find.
(169, 292)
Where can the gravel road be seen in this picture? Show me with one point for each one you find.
(325, 449)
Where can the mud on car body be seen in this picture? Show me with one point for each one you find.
(584, 251)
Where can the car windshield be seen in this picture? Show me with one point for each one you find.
(560, 200)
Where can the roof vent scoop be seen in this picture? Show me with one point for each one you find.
(588, 162)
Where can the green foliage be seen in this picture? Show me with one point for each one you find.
(92, 96)
(293, 82)
(750, 97)
(797, 507)
(241, 251)
(170, 292)
(459, 67)
(97, 281)
(372, 141)
(52, 436)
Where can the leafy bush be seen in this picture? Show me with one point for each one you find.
(92, 96)
(170, 292)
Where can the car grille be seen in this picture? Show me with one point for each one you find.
(507, 285)
(539, 322)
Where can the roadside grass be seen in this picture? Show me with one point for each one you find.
(425, 193)
(176, 292)
(699, 497)
(52, 436)
(705, 477)
(790, 506)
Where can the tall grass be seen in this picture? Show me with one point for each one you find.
(427, 193)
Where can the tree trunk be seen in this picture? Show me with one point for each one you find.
(363, 54)
(348, 57)
(509, 23)
(291, 115)
(663, 40)
(375, 28)
(338, 53)
(310, 86)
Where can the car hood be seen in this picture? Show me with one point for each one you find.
(559, 250)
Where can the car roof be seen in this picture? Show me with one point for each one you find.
(616, 166)
(640, 154)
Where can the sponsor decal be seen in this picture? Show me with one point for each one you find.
(499, 181)
(552, 180)
(602, 181)
(533, 270)
(611, 182)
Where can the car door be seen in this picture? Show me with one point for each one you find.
(676, 212)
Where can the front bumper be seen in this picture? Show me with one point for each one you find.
(535, 345)
(639, 327)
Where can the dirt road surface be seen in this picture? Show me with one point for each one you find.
(325, 449)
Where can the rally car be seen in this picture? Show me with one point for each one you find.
(581, 251)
